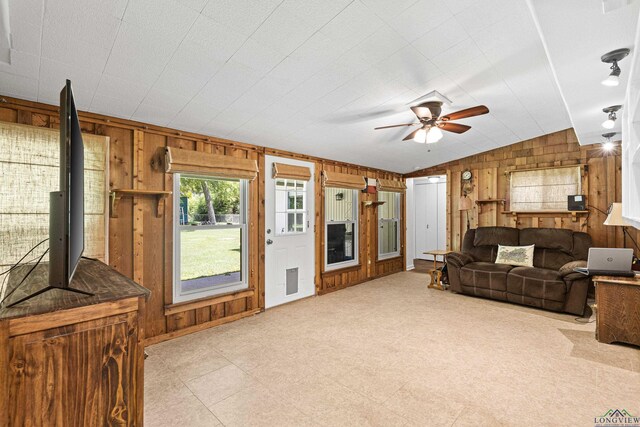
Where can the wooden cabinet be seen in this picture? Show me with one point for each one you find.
(72, 360)
(617, 313)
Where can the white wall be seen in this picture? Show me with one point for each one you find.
(410, 244)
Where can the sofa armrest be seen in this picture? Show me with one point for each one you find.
(459, 259)
(567, 271)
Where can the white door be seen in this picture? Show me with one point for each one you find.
(430, 214)
(289, 237)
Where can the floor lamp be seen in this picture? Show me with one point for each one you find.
(614, 218)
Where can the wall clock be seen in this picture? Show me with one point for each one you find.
(466, 186)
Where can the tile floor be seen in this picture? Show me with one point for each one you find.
(391, 353)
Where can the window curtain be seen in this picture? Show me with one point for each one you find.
(29, 167)
(391, 185)
(283, 170)
(195, 162)
(343, 180)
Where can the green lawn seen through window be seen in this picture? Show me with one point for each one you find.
(209, 252)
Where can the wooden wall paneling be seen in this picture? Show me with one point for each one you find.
(259, 252)
(153, 235)
(319, 228)
(4, 373)
(121, 176)
(611, 196)
(9, 115)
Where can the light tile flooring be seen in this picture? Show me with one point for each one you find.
(391, 352)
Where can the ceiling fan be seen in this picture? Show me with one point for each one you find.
(430, 121)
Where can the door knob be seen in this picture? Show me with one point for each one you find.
(269, 241)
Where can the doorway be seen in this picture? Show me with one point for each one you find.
(430, 204)
(289, 235)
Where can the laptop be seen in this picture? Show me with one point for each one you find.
(608, 262)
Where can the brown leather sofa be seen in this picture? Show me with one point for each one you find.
(550, 284)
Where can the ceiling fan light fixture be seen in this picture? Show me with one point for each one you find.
(434, 135)
(609, 123)
(420, 136)
(612, 58)
(611, 117)
(608, 145)
(612, 80)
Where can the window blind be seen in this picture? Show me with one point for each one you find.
(29, 167)
(343, 180)
(544, 189)
(391, 185)
(195, 162)
(283, 170)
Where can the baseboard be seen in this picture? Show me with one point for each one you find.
(410, 267)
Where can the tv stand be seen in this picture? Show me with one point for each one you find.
(72, 359)
(45, 289)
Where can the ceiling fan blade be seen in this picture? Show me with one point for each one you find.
(411, 135)
(421, 112)
(454, 127)
(395, 126)
(469, 112)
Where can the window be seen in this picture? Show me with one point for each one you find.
(291, 206)
(210, 239)
(544, 189)
(388, 224)
(341, 227)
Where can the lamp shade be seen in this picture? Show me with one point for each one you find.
(465, 203)
(615, 216)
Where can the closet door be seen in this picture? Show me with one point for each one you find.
(442, 215)
(426, 205)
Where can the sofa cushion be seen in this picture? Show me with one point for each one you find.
(493, 236)
(548, 238)
(539, 283)
(486, 275)
(552, 259)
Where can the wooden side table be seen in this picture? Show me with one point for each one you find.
(436, 273)
(617, 313)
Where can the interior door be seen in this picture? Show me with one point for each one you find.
(430, 213)
(289, 236)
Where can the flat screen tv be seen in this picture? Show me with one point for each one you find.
(66, 217)
(66, 206)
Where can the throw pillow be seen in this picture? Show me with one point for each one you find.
(515, 255)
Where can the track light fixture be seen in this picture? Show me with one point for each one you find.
(608, 145)
(611, 118)
(612, 58)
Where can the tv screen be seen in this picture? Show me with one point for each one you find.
(66, 218)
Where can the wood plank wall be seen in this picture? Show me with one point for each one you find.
(141, 245)
(601, 183)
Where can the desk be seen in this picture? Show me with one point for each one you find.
(617, 314)
(436, 273)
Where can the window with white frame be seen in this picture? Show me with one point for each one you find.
(210, 236)
(291, 206)
(341, 227)
(388, 224)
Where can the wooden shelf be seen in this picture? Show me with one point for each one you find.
(117, 194)
(480, 201)
(372, 203)
(574, 214)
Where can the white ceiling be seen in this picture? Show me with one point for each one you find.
(574, 48)
(314, 77)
